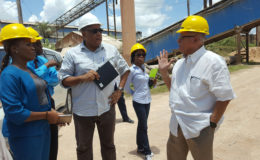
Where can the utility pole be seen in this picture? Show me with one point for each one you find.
(114, 14)
(205, 3)
(210, 3)
(107, 18)
(19, 10)
(238, 40)
(188, 7)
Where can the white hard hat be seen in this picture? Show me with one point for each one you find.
(87, 20)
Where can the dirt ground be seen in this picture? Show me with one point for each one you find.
(238, 138)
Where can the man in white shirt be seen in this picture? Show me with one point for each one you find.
(200, 92)
(91, 105)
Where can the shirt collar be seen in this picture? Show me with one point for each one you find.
(196, 55)
(82, 46)
(136, 67)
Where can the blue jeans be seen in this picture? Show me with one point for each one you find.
(142, 112)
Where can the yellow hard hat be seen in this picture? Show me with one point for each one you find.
(13, 31)
(194, 23)
(34, 33)
(136, 47)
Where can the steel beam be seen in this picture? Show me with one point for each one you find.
(79, 10)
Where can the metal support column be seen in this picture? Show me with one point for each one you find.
(210, 3)
(188, 7)
(19, 10)
(107, 18)
(238, 40)
(57, 30)
(205, 4)
(128, 27)
(247, 47)
(114, 14)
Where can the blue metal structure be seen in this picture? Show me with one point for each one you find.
(223, 16)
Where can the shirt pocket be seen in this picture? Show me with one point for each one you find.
(83, 67)
(197, 87)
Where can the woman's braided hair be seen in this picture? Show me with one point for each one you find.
(7, 47)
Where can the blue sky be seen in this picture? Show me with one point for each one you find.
(151, 15)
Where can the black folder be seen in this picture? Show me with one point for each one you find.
(107, 74)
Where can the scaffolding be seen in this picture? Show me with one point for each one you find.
(79, 10)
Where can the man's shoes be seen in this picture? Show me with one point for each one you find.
(149, 156)
(128, 121)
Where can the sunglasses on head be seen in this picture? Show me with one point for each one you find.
(95, 31)
(140, 54)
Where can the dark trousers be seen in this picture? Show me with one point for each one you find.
(54, 138)
(142, 112)
(54, 142)
(122, 107)
(84, 129)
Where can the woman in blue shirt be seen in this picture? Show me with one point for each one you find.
(45, 69)
(138, 86)
(24, 96)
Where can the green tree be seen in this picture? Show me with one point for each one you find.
(44, 29)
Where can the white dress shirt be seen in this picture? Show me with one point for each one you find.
(4, 153)
(117, 81)
(198, 81)
(137, 85)
(87, 98)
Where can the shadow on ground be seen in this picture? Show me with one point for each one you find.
(154, 149)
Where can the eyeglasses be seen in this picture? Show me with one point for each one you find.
(95, 31)
(37, 43)
(183, 37)
(140, 54)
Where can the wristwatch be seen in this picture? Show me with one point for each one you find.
(213, 124)
(121, 89)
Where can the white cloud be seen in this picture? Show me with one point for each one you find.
(52, 9)
(33, 18)
(215, 1)
(8, 11)
(253, 31)
(168, 8)
(149, 16)
(117, 6)
(111, 22)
